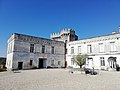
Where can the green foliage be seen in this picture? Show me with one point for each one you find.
(2, 64)
(80, 59)
(2, 61)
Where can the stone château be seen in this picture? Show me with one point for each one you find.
(26, 52)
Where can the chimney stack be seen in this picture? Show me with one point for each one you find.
(119, 28)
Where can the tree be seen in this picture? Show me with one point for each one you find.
(80, 59)
(2, 61)
(2, 64)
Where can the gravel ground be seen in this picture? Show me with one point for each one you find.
(58, 79)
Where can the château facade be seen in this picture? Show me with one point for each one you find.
(25, 52)
(103, 51)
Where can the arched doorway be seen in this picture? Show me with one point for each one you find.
(112, 62)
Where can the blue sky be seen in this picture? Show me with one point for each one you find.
(42, 17)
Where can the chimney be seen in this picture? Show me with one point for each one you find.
(119, 28)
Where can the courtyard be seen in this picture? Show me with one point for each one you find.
(58, 79)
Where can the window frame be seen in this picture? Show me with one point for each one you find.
(43, 48)
(112, 47)
(32, 48)
(72, 61)
(59, 62)
(31, 62)
(101, 47)
(52, 62)
(79, 49)
(89, 48)
(102, 61)
(72, 50)
(52, 49)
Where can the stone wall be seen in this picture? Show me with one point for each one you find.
(21, 51)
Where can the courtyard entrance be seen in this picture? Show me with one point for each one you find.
(112, 62)
(20, 65)
(42, 63)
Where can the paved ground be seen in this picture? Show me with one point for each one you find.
(58, 79)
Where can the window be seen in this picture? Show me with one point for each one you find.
(72, 61)
(90, 63)
(101, 47)
(112, 46)
(52, 50)
(72, 50)
(52, 62)
(31, 48)
(79, 49)
(102, 61)
(89, 49)
(87, 62)
(31, 61)
(58, 62)
(65, 47)
(8, 48)
(43, 49)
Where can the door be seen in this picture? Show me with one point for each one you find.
(112, 62)
(20, 65)
(89, 63)
(40, 63)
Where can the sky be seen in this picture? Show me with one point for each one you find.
(89, 18)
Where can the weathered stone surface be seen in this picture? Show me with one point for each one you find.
(103, 51)
(65, 35)
(19, 51)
